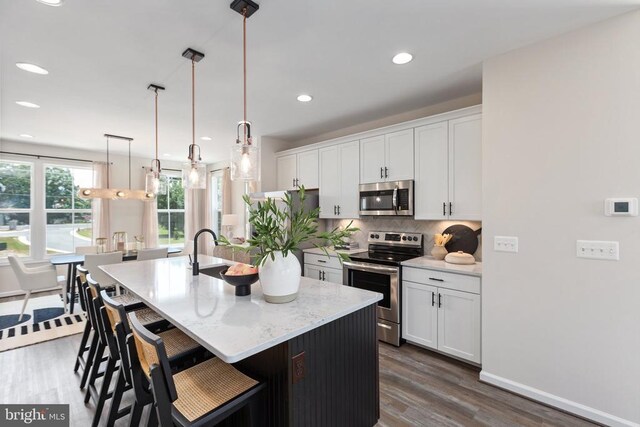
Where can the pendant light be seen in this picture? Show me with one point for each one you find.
(245, 157)
(194, 173)
(115, 193)
(155, 182)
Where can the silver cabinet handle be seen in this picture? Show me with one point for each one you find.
(394, 199)
(368, 267)
(382, 325)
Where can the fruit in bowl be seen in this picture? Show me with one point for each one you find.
(241, 270)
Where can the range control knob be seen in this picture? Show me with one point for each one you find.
(404, 237)
(372, 236)
(377, 236)
(415, 238)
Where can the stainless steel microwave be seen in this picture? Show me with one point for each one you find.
(387, 198)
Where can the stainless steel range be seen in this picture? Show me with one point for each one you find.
(378, 270)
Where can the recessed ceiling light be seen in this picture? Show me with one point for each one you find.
(51, 2)
(32, 68)
(304, 98)
(27, 104)
(206, 138)
(26, 135)
(402, 58)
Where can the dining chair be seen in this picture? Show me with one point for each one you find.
(179, 347)
(204, 394)
(84, 250)
(152, 253)
(34, 279)
(93, 261)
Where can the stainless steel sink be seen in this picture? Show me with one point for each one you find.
(214, 271)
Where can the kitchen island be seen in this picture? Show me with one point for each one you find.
(329, 330)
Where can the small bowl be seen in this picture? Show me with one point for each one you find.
(242, 283)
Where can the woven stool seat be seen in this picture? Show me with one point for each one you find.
(177, 342)
(126, 299)
(208, 385)
(147, 316)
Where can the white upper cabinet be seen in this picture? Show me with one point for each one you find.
(372, 159)
(465, 168)
(339, 180)
(448, 165)
(387, 157)
(308, 169)
(296, 170)
(432, 171)
(398, 148)
(286, 170)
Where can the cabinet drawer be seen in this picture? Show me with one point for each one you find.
(441, 279)
(323, 261)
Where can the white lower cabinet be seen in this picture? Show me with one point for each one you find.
(440, 317)
(322, 267)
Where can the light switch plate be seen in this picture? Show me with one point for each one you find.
(596, 249)
(505, 244)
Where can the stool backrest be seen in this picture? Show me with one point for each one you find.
(93, 261)
(154, 253)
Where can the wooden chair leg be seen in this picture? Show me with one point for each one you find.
(83, 345)
(116, 398)
(136, 415)
(104, 391)
(93, 347)
(24, 305)
(93, 375)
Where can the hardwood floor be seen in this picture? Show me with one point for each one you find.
(423, 388)
(417, 388)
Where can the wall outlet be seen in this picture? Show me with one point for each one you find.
(505, 244)
(596, 249)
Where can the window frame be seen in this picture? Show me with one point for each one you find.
(169, 211)
(31, 210)
(72, 211)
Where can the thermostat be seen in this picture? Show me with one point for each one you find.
(621, 207)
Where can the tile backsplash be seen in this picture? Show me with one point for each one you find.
(409, 225)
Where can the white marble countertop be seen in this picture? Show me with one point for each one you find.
(232, 327)
(333, 252)
(434, 264)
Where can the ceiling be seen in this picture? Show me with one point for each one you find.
(102, 54)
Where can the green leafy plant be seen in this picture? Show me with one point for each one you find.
(284, 229)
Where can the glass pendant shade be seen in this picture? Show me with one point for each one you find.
(245, 162)
(155, 183)
(194, 176)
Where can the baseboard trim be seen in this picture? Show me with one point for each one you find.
(556, 401)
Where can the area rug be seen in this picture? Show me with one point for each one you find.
(43, 320)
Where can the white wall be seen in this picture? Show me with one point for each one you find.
(561, 126)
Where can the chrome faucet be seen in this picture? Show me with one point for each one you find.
(195, 266)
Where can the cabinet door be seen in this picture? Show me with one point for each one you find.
(308, 169)
(349, 155)
(372, 160)
(329, 181)
(459, 324)
(420, 314)
(332, 275)
(286, 172)
(432, 172)
(465, 167)
(399, 155)
(312, 272)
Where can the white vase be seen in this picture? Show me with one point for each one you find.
(280, 278)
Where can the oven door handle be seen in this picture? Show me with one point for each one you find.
(370, 267)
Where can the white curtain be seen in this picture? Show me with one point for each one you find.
(100, 208)
(195, 216)
(150, 222)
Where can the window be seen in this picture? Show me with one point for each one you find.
(216, 202)
(68, 217)
(171, 213)
(16, 204)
